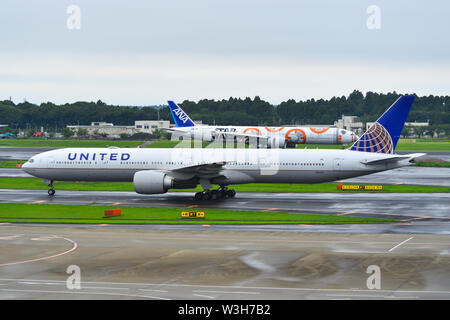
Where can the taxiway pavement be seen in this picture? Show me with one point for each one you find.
(130, 263)
(416, 212)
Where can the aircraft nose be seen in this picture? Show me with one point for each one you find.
(26, 166)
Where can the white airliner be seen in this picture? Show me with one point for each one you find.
(276, 137)
(155, 171)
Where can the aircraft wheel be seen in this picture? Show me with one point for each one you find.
(215, 195)
(206, 196)
(198, 196)
(51, 192)
(231, 193)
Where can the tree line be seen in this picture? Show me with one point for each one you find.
(234, 111)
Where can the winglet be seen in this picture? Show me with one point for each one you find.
(383, 135)
(180, 117)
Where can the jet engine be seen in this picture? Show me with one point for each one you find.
(207, 135)
(151, 182)
(276, 141)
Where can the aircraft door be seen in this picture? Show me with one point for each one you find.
(337, 164)
(51, 162)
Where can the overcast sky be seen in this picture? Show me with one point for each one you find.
(145, 52)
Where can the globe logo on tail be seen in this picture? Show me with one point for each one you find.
(377, 139)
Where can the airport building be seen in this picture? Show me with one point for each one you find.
(141, 126)
(351, 123)
(407, 124)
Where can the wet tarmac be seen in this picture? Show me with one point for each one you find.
(38, 261)
(416, 212)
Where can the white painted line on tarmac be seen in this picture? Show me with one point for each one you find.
(247, 287)
(369, 296)
(230, 292)
(153, 290)
(403, 242)
(84, 293)
(202, 296)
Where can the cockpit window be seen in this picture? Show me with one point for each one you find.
(342, 131)
(31, 160)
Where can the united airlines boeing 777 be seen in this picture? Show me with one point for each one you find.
(156, 171)
(276, 137)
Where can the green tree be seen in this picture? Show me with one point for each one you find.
(67, 133)
(124, 135)
(82, 132)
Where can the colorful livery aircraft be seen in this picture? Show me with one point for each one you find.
(156, 171)
(276, 137)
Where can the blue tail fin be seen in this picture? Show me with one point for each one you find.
(383, 135)
(179, 116)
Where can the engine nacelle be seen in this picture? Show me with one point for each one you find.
(276, 141)
(207, 135)
(151, 182)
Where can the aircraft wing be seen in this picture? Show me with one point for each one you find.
(175, 130)
(393, 159)
(220, 133)
(239, 135)
(205, 171)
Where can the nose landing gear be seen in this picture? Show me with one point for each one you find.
(51, 191)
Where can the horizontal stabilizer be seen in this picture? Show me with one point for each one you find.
(393, 159)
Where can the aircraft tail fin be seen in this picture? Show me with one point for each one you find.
(180, 117)
(383, 135)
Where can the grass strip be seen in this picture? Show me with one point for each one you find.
(9, 164)
(50, 143)
(403, 144)
(35, 183)
(445, 164)
(54, 213)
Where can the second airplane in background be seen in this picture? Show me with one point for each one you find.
(275, 137)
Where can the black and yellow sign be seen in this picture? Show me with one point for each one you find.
(193, 214)
(359, 187)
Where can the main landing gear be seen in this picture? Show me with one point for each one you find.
(217, 194)
(51, 191)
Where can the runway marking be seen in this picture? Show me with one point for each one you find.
(103, 225)
(115, 203)
(243, 287)
(85, 293)
(39, 201)
(75, 246)
(369, 296)
(421, 218)
(109, 288)
(345, 213)
(202, 296)
(4, 223)
(11, 237)
(392, 249)
(153, 290)
(271, 209)
(231, 292)
(193, 206)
